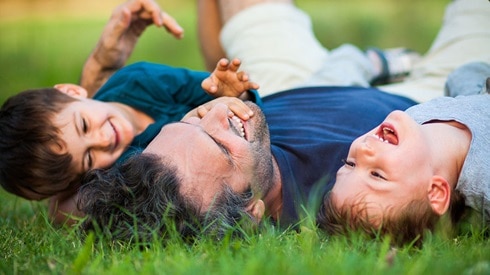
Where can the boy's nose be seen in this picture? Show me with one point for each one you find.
(101, 140)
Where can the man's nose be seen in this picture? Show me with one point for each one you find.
(216, 118)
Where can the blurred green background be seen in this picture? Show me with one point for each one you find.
(44, 42)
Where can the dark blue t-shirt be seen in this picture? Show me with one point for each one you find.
(311, 131)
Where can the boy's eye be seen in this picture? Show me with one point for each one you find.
(348, 163)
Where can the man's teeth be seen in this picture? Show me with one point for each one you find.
(239, 126)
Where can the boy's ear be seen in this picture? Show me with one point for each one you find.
(439, 194)
(73, 90)
(256, 209)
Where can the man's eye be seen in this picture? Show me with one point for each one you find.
(376, 174)
(84, 126)
(348, 163)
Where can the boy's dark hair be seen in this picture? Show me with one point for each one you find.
(409, 225)
(29, 165)
(139, 200)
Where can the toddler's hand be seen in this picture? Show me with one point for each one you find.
(226, 80)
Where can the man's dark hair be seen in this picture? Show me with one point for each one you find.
(409, 225)
(139, 200)
(29, 165)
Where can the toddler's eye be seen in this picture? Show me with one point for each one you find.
(348, 163)
(376, 174)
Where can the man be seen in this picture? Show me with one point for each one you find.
(212, 173)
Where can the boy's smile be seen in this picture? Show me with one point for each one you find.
(95, 133)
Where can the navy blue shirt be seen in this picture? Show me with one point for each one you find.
(311, 131)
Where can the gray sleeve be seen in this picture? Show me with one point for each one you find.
(468, 79)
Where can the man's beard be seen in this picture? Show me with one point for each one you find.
(263, 166)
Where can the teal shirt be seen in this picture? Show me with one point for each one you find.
(164, 93)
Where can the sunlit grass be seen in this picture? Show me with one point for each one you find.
(38, 51)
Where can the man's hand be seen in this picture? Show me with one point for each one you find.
(119, 37)
(237, 108)
(225, 80)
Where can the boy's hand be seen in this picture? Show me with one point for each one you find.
(237, 107)
(225, 80)
(119, 37)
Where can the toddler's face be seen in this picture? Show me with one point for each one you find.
(385, 168)
(96, 133)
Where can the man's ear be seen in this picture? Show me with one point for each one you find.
(439, 194)
(256, 209)
(73, 90)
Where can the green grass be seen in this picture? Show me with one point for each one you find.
(38, 51)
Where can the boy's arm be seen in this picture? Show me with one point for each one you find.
(226, 80)
(119, 37)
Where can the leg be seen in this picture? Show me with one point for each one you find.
(277, 46)
(208, 28)
(464, 37)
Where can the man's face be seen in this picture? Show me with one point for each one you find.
(95, 133)
(215, 151)
(386, 168)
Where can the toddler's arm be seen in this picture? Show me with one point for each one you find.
(226, 80)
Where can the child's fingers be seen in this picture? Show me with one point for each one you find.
(253, 86)
(234, 65)
(202, 111)
(209, 86)
(242, 76)
(222, 64)
(240, 109)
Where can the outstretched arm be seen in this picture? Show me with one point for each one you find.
(119, 37)
(226, 80)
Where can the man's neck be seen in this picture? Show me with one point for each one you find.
(273, 199)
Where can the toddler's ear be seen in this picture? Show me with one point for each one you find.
(439, 194)
(73, 90)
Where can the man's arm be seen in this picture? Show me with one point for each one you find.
(119, 37)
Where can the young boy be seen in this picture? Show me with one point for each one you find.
(416, 166)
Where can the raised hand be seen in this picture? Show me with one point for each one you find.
(226, 80)
(119, 37)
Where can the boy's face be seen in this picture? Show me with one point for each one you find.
(96, 133)
(385, 168)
